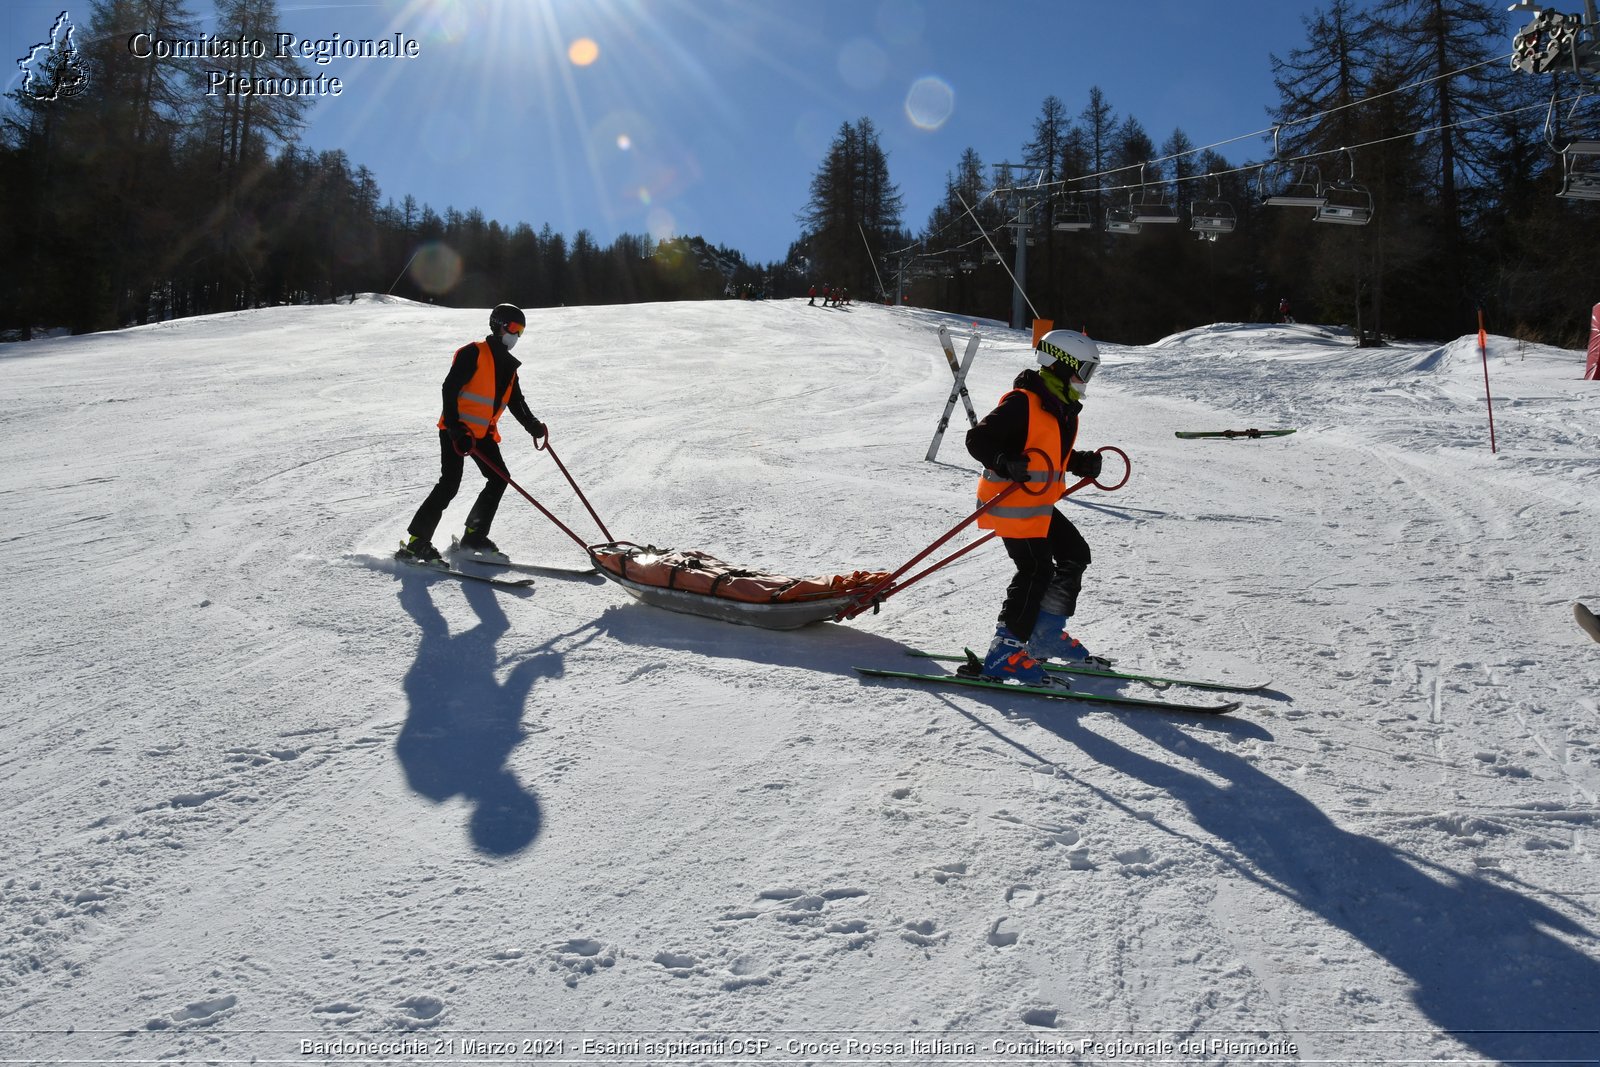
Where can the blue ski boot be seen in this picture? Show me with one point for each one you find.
(1050, 640)
(1008, 660)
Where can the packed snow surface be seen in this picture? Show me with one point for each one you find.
(269, 795)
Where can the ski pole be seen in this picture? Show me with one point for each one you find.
(546, 448)
(503, 476)
(888, 587)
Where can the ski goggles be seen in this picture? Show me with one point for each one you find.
(513, 328)
(1079, 367)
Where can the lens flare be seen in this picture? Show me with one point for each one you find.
(436, 268)
(930, 102)
(624, 142)
(583, 52)
(661, 223)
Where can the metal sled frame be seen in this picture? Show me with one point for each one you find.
(780, 615)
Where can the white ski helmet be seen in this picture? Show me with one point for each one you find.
(1075, 355)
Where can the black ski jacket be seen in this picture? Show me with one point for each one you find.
(465, 365)
(1004, 431)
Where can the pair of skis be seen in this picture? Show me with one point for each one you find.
(969, 674)
(490, 559)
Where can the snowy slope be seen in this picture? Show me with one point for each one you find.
(261, 788)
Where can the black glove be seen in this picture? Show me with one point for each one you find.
(1011, 468)
(1084, 464)
(461, 438)
(539, 430)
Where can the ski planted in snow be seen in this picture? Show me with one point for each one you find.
(442, 568)
(1057, 691)
(500, 559)
(1156, 680)
(1190, 435)
(1587, 620)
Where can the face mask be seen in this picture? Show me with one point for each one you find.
(510, 340)
(1076, 389)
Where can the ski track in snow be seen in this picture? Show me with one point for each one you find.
(264, 786)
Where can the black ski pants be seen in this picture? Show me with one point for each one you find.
(1049, 574)
(451, 466)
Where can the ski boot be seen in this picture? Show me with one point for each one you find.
(420, 550)
(1008, 660)
(1050, 640)
(473, 541)
(477, 546)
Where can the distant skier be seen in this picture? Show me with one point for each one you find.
(1283, 310)
(481, 384)
(1038, 418)
(813, 301)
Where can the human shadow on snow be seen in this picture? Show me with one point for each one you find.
(1483, 957)
(464, 722)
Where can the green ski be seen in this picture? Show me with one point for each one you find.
(1057, 692)
(1157, 680)
(1189, 435)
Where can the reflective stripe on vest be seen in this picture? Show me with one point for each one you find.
(1026, 512)
(475, 404)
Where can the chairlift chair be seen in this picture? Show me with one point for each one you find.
(1291, 185)
(1212, 217)
(1580, 171)
(1285, 184)
(1121, 220)
(1349, 203)
(1070, 216)
(1148, 205)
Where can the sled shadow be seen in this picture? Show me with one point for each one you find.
(824, 647)
(463, 722)
(1483, 957)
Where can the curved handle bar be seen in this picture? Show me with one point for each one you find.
(1127, 468)
(1049, 465)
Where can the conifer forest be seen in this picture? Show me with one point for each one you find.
(1438, 165)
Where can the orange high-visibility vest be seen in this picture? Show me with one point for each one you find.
(1026, 512)
(476, 403)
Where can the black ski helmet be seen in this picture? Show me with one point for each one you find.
(504, 313)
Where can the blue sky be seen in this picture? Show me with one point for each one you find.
(710, 116)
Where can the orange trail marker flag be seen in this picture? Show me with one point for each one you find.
(1483, 349)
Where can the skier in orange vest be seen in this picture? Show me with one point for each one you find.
(481, 385)
(1029, 438)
